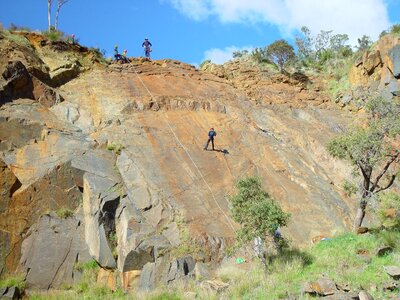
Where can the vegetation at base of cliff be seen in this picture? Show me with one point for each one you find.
(347, 259)
(187, 245)
(16, 280)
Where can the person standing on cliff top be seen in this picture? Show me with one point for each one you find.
(211, 134)
(146, 46)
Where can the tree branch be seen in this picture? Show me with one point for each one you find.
(388, 185)
(393, 157)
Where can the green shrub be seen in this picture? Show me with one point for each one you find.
(258, 214)
(206, 62)
(64, 213)
(115, 147)
(389, 210)
(54, 35)
(350, 188)
(89, 265)
(395, 29)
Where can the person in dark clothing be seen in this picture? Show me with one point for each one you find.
(117, 56)
(211, 134)
(147, 48)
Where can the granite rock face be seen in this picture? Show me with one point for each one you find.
(123, 146)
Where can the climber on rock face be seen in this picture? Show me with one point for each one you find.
(211, 134)
(147, 48)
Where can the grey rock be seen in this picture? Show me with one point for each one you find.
(147, 280)
(340, 296)
(394, 54)
(15, 82)
(135, 181)
(98, 162)
(12, 293)
(364, 295)
(147, 251)
(101, 197)
(132, 230)
(50, 251)
(201, 271)
(394, 87)
(384, 250)
(390, 286)
(180, 267)
(172, 234)
(393, 271)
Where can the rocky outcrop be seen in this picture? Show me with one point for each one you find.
(379, 68)
(268, 86)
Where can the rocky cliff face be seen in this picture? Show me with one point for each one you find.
(379, 69)
(107, 162)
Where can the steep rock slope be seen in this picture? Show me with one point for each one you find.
(122, 147)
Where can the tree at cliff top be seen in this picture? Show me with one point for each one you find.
(319, 49)
(259, 215)
(280, 52)
(373, 150)
(60, 3)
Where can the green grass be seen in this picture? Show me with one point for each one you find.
(17, 281)
(338, 259)
(17, 39)
(54, 35)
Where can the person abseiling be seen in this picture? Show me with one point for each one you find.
(211, 134)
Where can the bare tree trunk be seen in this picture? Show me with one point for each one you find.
(360, 214)
(57, 14)
(49, 13)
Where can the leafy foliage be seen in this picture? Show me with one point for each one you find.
(240, 53)
(389, 210)
(364, 43)
(395, 29)
(255, 210)
(372, 149)
(350, 188)
(280, 52)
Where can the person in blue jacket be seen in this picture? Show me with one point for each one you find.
(211, 135)
(147, 48)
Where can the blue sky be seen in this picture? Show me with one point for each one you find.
(194, 30)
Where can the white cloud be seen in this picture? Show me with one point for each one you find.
(219, 56)
(354, 17)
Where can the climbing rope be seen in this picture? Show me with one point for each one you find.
(187, 153)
